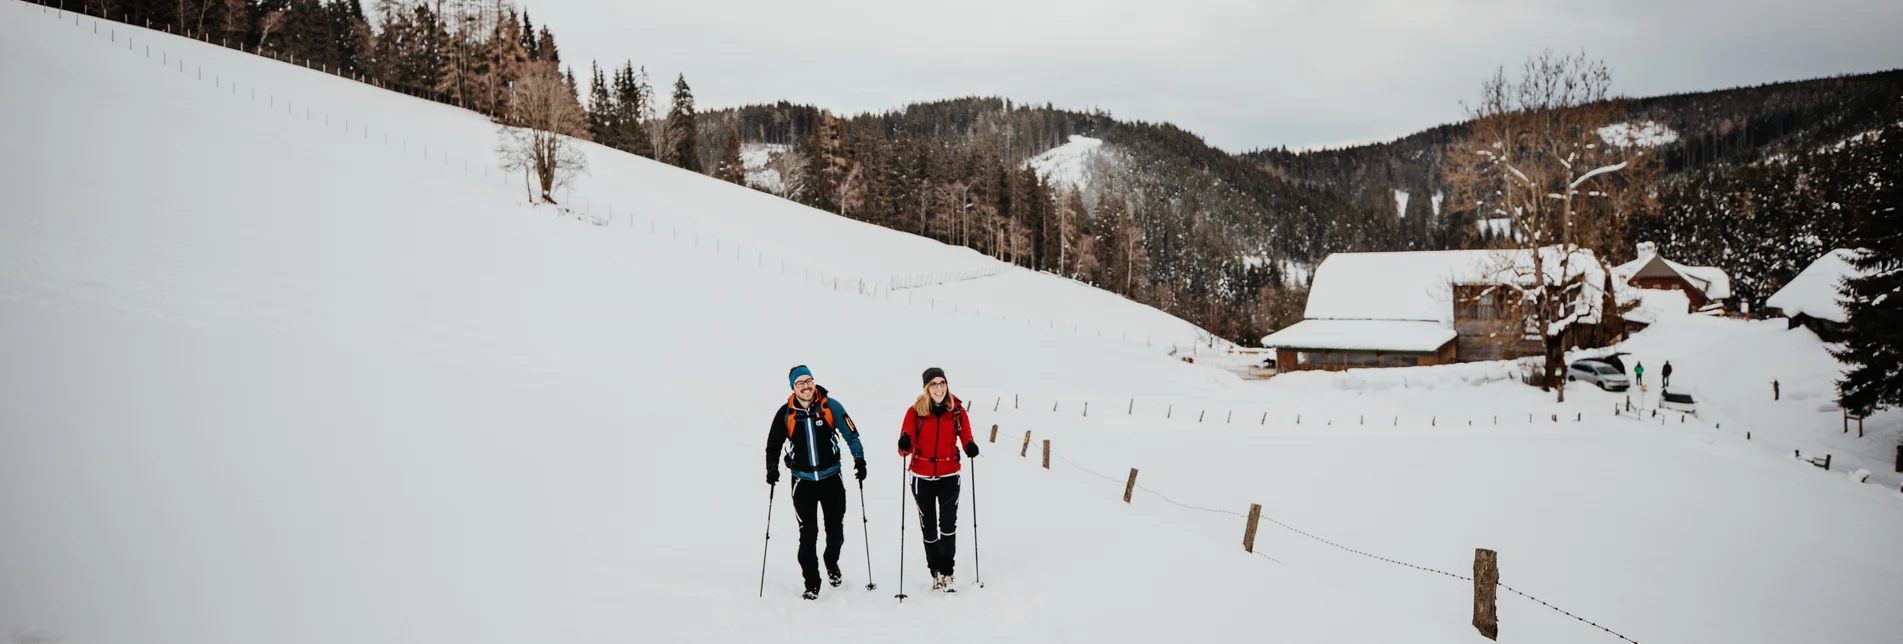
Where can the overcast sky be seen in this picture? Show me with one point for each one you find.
(1244, 75)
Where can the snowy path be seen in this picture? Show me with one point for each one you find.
(264, 381)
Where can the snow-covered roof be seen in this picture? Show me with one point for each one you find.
(1362, 335)
(1710, 280)
(1814, 291)
(1419, 285)
(1655, 305)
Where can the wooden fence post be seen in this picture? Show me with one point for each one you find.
(1086, 409)
(1846, 421)
(1248, 533)
(1026, 449)
(994, 432)
(1130, 486)
(1047, 453)
(1486, 577)
(1199, 416)
(1133, 408)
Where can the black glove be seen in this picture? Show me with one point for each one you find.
(859, 468)
(971, 449)
(773, 477)
(905, 443)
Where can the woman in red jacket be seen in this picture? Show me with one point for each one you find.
(934, 428)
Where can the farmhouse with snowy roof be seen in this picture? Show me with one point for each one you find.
(1434, 307)
(1812, 299)
(1706, 287)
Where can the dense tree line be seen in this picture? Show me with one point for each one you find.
(1761, 155)
(1175, 223)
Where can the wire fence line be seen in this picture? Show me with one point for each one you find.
(1331, 543)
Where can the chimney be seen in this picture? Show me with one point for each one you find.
(1647, 249)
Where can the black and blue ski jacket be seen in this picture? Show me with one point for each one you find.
(808, 436)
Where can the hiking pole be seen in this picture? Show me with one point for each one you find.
(902, 474)
(770, 489)
(866, 531)
(977, 564)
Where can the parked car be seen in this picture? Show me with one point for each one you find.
(1678, 399)
(1599, 373)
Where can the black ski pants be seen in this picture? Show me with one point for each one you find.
(809, 498)
(938, 519)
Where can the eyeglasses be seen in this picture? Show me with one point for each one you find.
(937, 382)
(803, 381)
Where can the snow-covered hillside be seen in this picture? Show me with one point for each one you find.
(303, 367)
(1072, 164)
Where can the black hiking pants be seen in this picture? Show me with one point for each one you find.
(938, 520)
(809, 497)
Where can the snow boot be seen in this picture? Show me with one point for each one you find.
(946, 580)
(810, 595)
(938, 581)
(834, 578)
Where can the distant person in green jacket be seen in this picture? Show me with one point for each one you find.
(1638, 373)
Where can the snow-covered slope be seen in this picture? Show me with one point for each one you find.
(265, 378)
(1069, 165)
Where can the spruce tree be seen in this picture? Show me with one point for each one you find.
(631, 107)
(528, 37)
(728, 166)
(600, 108)
(683, 134)
(546, 47)
(1873, 336)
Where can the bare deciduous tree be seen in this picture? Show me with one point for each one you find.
(1536, 157)
(539, 129)
(267, 22)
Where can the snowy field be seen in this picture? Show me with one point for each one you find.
(270, 380)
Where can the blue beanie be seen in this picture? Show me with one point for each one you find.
(796, 373)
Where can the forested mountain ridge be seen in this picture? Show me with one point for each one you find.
(1752, 176)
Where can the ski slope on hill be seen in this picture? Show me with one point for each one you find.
(269, 379)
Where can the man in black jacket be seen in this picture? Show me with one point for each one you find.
(804, 434)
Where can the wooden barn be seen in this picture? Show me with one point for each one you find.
(1428, 308)
(1812, 299)
(1706, 287)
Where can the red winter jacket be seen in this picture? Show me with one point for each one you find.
(936, 438)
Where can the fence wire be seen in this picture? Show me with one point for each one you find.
(1369, 555)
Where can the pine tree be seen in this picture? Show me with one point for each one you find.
(683, 134)
(631, 108)
(527, 37)
(822, 167)
(728, 167)
(1873, 335)
(351, 35)
(601, 109)
(546, 47)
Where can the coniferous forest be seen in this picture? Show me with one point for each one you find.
(1760, 181)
